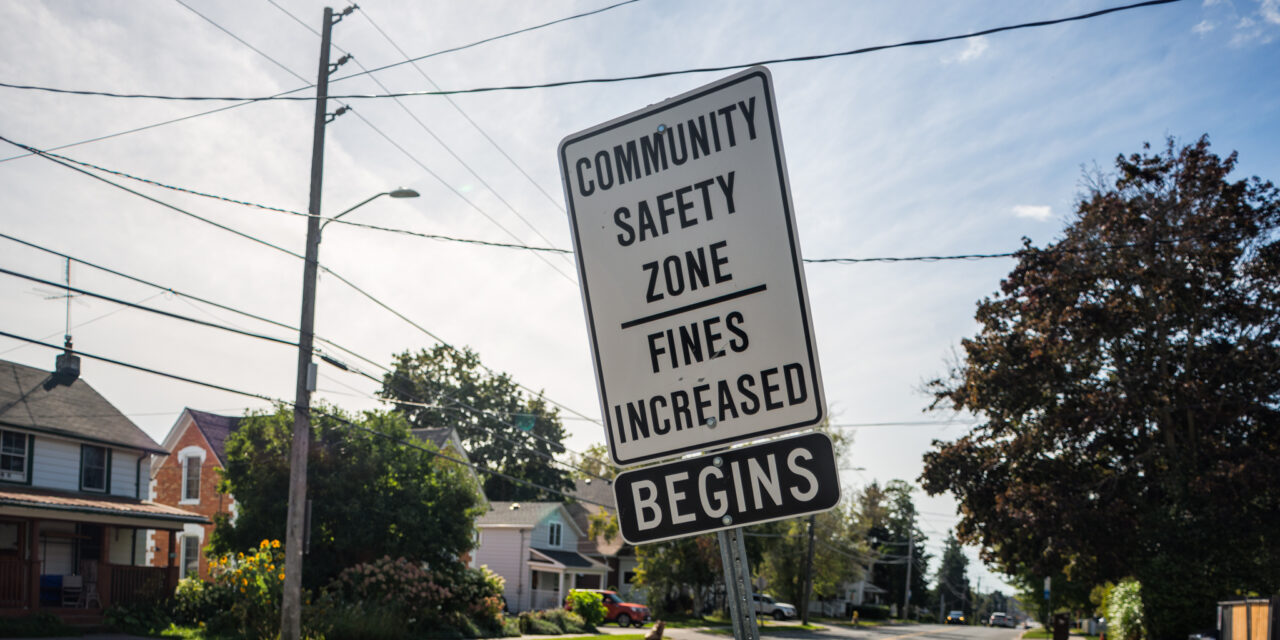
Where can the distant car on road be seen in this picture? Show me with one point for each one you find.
(766, 605)
(955, 617)
(1001, 619)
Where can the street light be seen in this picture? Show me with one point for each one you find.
(291, 598)
(398, 193)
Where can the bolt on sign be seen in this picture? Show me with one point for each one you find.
(691, 272)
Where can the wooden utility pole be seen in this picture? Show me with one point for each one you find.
(291, 598)
(808, 576)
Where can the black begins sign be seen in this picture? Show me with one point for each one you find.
(780, 479)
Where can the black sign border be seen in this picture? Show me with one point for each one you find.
(788, 443)
(756, 73)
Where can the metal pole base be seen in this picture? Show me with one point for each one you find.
(737, 581)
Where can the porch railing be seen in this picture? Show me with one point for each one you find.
(546, 599)
(14, 582)
(131, 585)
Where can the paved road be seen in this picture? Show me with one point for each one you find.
(901, 632)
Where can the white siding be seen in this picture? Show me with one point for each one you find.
(542, 533)
(124, 473)
(56, 464)
(505, 552)
(121, 543)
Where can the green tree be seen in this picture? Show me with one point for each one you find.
(593, 463)
(838, 554)
(501, 427)
(1128, 377)
(894, 533)
(953, 579)
(667, 570)
(370, 495)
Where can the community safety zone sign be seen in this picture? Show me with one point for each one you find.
(691, 273)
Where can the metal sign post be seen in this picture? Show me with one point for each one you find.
(737, 581)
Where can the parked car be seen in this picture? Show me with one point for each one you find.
(1001, 619)
(620, 612)
(955, 617)
(767, 606)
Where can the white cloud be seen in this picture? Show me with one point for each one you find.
(1035, 212)
(1203, 27)
(1270, 11)
(974, 48)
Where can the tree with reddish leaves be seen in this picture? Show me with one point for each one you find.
(1128, 378)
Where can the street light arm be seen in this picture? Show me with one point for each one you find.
(357, 206)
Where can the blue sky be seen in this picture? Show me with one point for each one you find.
(957, 148)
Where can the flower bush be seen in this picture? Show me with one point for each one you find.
(1124, 611)
(243, 598)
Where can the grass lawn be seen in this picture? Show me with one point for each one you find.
(1044, 634)
(624, 636)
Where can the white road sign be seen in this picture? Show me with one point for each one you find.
(691, 272)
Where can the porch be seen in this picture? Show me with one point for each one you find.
(554, 573)
(76, 564)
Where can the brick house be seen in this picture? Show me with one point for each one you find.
(188, 479)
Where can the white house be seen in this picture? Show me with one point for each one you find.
(534, 547)
(73, 518)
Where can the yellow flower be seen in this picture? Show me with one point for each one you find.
(282, 576)
(275, 544)
(265, 543)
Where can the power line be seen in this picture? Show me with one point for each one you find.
(142, 307)
(605, 80)
(310, 85)
(279, 402)
(453, 103)
(389, 139)
(183, 295)
(273, 339)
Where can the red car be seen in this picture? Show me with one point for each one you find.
(623, 613)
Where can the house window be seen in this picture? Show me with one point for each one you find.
(14, 456)
(191, 478)
(190, 565)
(95, 463)
(553, 534)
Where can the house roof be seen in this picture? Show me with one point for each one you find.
(216, 429)
(526, 514)
(75, 411)
(107, 505)
(566, 558)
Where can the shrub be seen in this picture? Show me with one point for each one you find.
(40, 625)
(532, 622)
(566, 621)
(1124, 611)
(197, 601)
(589, 605)
(143, 619)
(364, 622)
(393, 584)
(871, 612)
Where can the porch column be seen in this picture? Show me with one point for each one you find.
(560, 591)
(171, 573)
(33, 567)
(104, 568)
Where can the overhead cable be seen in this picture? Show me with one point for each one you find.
(142, 307)
(318, 410)
(604, 80)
